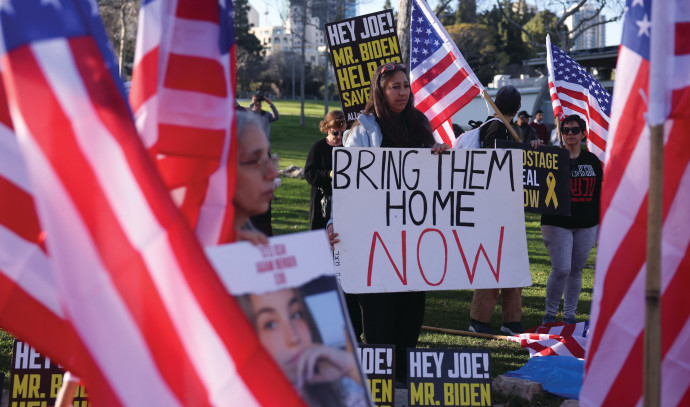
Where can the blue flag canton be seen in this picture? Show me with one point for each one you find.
(26, 21)
(23, 22)
(425, 40)
(567, 70)
(227, 26)
(637, 26)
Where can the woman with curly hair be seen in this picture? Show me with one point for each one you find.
(317, 169)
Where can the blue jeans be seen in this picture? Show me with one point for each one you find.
(568, 250)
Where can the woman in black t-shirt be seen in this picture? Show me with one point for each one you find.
(569, 239)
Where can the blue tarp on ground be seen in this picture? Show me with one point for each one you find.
(560, 375)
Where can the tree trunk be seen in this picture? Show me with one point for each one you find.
(325, 87)
(325, 72)
(123, 39)
(404, 12)
(302, 72)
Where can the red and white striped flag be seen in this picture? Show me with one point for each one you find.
(575, 91)
(614, 363)
(146, 321)
(182, 96)
(442, 81)
(30, 304)
(555, 339)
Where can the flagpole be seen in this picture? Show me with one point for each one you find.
(500, 116)
(558, 131)
(465, 333)
(652, 332)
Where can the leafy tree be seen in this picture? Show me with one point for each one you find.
(249, 48)
(538, 27)
(466, 12)
(476, 44)
(561, 35)
(506, 36)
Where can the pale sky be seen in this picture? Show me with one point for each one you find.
(613, 30)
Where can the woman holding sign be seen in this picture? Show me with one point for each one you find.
(569, 239)
(318, 173)
(390, 119)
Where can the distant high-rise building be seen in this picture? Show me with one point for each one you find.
(288, 38)
(351, 8)
(592, 37)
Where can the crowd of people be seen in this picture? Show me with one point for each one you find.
(390, 120)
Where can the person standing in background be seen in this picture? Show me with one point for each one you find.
(263, 221)
(526, 133)
(319, 165)
(484, 301)
(266, 117)
(540, 127)
(318, 173)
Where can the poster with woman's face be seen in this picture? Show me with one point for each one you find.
(290, 294)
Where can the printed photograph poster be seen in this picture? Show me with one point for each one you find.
(545, 178)
(378, 364)
(410, 220)
(35, 380)
(357, 47)
(449, 377)
(289, 293)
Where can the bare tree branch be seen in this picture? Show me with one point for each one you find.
(561, 34)
(441, 7)
(518, 25)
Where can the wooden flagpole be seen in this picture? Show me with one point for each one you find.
(500, 116)
(464, 333)
(558, 131)
(652, 332)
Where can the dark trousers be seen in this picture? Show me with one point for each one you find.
(393, 319)
(263, 222)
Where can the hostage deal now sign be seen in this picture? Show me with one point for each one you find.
(409, 220)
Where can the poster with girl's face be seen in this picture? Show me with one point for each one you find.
(290, 294)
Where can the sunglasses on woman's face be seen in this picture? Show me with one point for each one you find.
(393, 67)
(336, 133)
(575, 130)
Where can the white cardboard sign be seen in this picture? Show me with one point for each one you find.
(287, 261)
(409, 220)
(288, 291)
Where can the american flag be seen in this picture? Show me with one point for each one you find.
(442, 82)
(132, 305)
(614, 363)
(555, 339)
(182, 96)
(30, 305)
(575, 91)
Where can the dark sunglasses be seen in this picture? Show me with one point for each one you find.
(575, 130)
(337, 133)
(393, 66)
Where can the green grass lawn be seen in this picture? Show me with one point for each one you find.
(445, 309)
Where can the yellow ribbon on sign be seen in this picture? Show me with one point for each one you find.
(551, 193)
